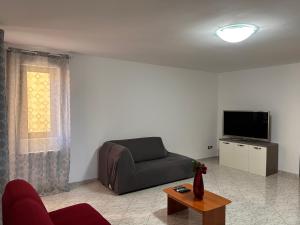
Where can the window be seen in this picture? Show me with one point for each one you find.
(38, 102)
(41, 109)
(42, 128)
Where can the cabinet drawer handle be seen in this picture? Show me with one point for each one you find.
(257, 148)
(226, 143)
(241, 145)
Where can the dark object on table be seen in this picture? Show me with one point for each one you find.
(134, 164)
(198, 186)
(181, 189)
(21, 204)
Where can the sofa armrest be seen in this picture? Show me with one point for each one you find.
(115, 165)
(27, 211)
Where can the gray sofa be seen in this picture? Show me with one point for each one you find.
(134, 164)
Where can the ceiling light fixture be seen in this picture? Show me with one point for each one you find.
(236, 32)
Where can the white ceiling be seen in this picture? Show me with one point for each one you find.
(165, 32)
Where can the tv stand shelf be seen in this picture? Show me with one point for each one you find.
(253, 156)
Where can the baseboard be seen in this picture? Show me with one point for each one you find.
(289, 173)
(76, 184)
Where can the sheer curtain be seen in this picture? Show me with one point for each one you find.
(39, 119)
(3, 119)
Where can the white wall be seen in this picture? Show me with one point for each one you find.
(113, 99)
(275, 89)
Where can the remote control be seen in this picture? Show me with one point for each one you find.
(184, 190)
(181, 189)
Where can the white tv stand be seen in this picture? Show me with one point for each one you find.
(256, 157)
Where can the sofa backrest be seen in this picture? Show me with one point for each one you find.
(15, 192)
(144, 149)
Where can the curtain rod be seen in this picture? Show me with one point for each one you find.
(35, 52)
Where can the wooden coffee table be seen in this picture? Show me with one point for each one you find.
(212, 206)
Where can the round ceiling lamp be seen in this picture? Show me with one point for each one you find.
(236, 32)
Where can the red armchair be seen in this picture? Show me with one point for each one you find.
(21, 204)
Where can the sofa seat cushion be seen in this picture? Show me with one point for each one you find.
(143, 149)
(77, 214)
(159, 171)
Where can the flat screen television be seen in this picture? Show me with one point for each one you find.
(247, 124)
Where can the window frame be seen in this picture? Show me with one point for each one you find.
(41, 134)
(42, 69)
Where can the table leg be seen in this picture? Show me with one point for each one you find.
(174, 206)
(214, 217)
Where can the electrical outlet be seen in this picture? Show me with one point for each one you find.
(209, 147)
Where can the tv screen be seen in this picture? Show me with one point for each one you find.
(246, 124)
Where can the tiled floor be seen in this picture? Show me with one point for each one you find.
(256, 200)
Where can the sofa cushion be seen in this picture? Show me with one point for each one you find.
(143, 149)
(78, 214)
(171, 168)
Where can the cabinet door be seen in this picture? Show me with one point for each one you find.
(226, 152)
(241, 157)
(258, 160)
